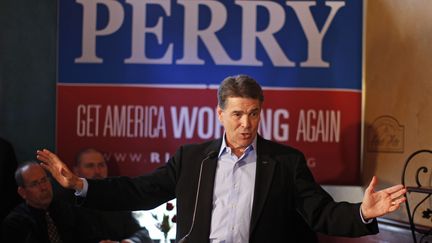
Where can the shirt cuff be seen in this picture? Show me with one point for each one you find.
(363, 220)
(83, 192)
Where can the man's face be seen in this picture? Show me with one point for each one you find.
(240, 119)
(92, 166)
(37, 188)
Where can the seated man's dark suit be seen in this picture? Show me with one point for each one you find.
(28, 224)
(286, 195)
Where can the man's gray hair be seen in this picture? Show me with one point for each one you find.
(239, 86)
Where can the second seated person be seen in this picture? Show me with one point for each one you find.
(41, 218)
(107, 226)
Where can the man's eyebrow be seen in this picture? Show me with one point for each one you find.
(254, 110)
(95, 162)
(241, 111)
(37, 179)
(91, 163)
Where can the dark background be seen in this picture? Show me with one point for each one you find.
(28, 42)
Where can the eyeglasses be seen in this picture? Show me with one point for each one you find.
(34, 184)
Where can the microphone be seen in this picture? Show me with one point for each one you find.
(210, 155)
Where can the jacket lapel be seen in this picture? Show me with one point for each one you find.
(265, 167)
(264, 175)
(205, 199)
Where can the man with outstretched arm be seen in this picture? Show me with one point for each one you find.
(239, 188)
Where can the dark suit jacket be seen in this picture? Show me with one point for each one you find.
(27, 224)
(286, 195)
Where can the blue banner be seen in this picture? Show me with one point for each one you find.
(137, 78)
(281, 43)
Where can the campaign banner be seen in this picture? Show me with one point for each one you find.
(138, 78)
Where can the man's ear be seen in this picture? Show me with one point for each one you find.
(219, 113)
(21, 191)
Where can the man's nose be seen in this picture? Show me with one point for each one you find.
(98, 170)
(43, 186)
(245, 121)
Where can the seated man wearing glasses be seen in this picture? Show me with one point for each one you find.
(39, 218)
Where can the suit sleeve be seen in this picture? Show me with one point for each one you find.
(138, 193)
(321, 212)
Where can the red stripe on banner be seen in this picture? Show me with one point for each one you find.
(138, 128)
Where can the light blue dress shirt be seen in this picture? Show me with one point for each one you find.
(233, 195)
